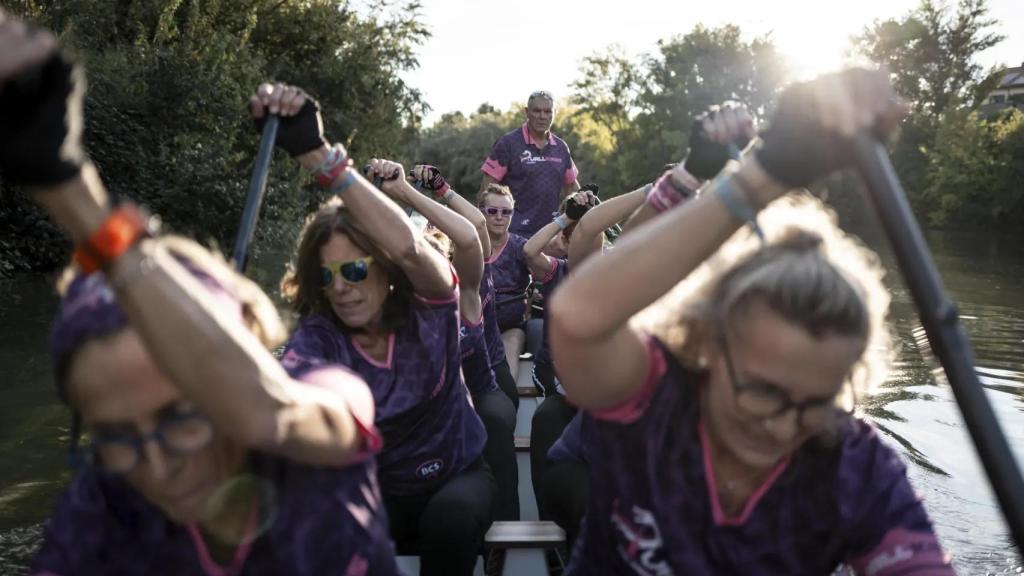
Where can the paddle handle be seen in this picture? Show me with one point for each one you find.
(254, 199)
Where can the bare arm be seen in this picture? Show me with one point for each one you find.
(569, 189)
(537, 261)
(467, 258)
(602, 359)
(467, 210)
(212, 358)
(586, 236)
(386, 223)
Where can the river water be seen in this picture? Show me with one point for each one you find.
(915, 409)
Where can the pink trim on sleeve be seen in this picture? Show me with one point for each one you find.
(358, 398)
(904, 552)
(551, 273)
(454, 297)
(494, 169)
(632, 409)
(571, 173)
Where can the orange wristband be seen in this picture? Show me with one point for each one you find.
(125, 226)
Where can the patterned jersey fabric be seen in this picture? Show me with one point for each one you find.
(511, 278)
(476, 365)
(559, 270)
(536, 175)
(492, 334)
(430, 429)
(653, 509)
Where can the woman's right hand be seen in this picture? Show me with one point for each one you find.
(41, 97)
(816, 123)
(301, 129)
(390, 174)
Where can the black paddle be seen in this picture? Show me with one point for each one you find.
(942, 325)
(254, 200)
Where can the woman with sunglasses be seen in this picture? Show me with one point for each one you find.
(373, 295)
(508, 270)
(204, 457)
(718, 442)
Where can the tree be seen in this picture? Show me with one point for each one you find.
(169, 82)
(932, 53)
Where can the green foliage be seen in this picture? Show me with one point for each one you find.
(169, 82)
(976, 175)
(931, 53)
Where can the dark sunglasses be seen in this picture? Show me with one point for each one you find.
(351, 271)
(492, 211)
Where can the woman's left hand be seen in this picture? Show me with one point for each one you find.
(391, 174)
(301, 129)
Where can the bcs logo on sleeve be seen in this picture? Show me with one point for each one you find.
(429, 469)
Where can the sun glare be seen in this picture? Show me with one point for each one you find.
(813, 51)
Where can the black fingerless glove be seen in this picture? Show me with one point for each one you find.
(301, 133)
(796, 149)
(41, 124)
(434, 181)
(707, 157)
(575, 210)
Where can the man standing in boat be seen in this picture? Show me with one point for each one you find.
(536, 166)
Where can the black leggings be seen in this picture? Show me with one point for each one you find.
(565, 491)
(447, 527)
(507, 382)
(499, 418)
(550, 419)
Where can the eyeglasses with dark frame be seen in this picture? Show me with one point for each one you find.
(178, 433)
(766, 400)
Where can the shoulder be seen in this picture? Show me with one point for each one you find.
(560, 142)
(668, 388)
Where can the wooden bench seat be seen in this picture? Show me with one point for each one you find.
(524, 534)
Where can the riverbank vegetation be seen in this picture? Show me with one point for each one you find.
(169, 81)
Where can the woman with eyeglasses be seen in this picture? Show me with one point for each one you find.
(203, 456)
(510, 274)
(720, 441)
(373, 295)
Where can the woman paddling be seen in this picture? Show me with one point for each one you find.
(203, 457)
(375, 296)
(720, 444)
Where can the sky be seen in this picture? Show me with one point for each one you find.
(498, 51)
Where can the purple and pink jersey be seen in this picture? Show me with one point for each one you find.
(654, 508)
(492, 333)
(536, 174)
(322, 521)
(476, 365)
(559, 270)
(511, 278)
(424, 413)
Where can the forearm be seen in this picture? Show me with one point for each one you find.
(468, 258)
(570, 189)
(538, 262)
(600, 218)
(383, 220)
(467, 210)
(216, 361)
(662, 253)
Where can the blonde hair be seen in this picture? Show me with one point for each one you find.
(494, 188)
(808, 271)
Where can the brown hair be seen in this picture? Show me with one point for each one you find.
(300, 285)
(494, 188)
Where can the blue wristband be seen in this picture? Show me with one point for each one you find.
(345, 183)
(737, 206)
(562, 221)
